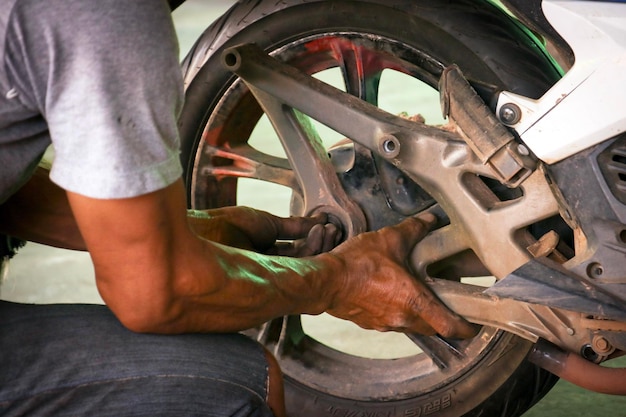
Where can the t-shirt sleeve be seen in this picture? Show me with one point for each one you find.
(109, 85)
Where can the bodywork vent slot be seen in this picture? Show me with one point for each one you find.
(613, 165)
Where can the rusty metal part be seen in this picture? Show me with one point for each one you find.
(602, 346)
(579, 371)
(546, 246)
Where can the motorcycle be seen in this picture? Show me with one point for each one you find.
(515, 141)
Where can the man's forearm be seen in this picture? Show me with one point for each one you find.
(219, 289)
(257, 288)
(40, 212)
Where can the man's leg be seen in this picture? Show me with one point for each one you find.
(79, 360)
(275, 387)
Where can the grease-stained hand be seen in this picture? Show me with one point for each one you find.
(376, 289)
(263, 232)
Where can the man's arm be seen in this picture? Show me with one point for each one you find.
(40, 212)
(158, 276)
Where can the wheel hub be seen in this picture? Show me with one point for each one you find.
(385, 194)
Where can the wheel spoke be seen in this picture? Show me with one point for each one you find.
(444, 353)
(361, 76)
(280, 335)
(248, 162)
(361, 72)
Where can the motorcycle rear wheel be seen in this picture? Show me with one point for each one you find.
(362, 40)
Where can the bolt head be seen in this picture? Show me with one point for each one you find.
(510, 114)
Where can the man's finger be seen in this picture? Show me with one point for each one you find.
(314, 241)
(444, 321)
(332, 237)
(428, 219)
(297, 227)
(310, 246)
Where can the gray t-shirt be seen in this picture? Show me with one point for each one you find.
(100, 80)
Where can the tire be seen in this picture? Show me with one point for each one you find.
(487, 375)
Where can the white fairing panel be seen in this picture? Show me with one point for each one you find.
(588, 105)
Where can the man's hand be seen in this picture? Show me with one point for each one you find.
(377, 291)
(247, 228)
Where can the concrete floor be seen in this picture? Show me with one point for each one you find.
(46, 275)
